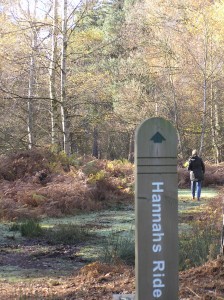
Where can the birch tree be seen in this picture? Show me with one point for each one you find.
(30, 59)
(32, 78)
(64, 111)
(200, 44)
(52, 80)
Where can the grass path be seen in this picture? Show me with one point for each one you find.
(185, 202)
(122, 219)
(206, 193)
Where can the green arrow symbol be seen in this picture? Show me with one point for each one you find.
(157, 138)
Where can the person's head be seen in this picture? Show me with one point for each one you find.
(194, 152)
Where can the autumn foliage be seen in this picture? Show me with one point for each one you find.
(41, 183)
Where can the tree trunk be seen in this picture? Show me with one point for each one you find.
(52, 87)
(217, 132)
(222, 233)
(205, 86)
(203, 125)
(176, 121)
(32, 82)
(215, 126)
(95, 151)
(131, 148)
(64, 112)
(213, 130)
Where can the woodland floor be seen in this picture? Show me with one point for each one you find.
(33, 269)
(37, 269)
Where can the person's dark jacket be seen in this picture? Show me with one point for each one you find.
(196, 168)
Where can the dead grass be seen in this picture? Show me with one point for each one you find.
(101, 281)
(87, 184)
(43, 183)
(24, 164)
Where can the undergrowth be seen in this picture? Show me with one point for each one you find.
(74, 184)
(118, 248)
(59, 234)
(45, 182)
(196, 247)
(31, 228)
(200, 244)
(68, 234)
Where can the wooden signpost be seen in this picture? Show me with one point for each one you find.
(156, 212)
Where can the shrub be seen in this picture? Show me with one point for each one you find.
(31, 228)
(214, 175)
(183, 178)
(120, 168)
(195, 247)
(67, 234)
(93, 166)
(119, 249)
(14, 227)
(60, 234)
(24, 164)
(31, 198)
(93, 178)
(198, 246)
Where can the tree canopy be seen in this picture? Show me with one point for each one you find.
(80, 78)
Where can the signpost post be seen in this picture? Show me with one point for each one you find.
(156, 212)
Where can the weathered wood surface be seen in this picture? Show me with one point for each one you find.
(156, 209)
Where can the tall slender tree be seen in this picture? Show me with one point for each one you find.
(55, 121)
(64, 110)
(32, 78)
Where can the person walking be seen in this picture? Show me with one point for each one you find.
(197, 169)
